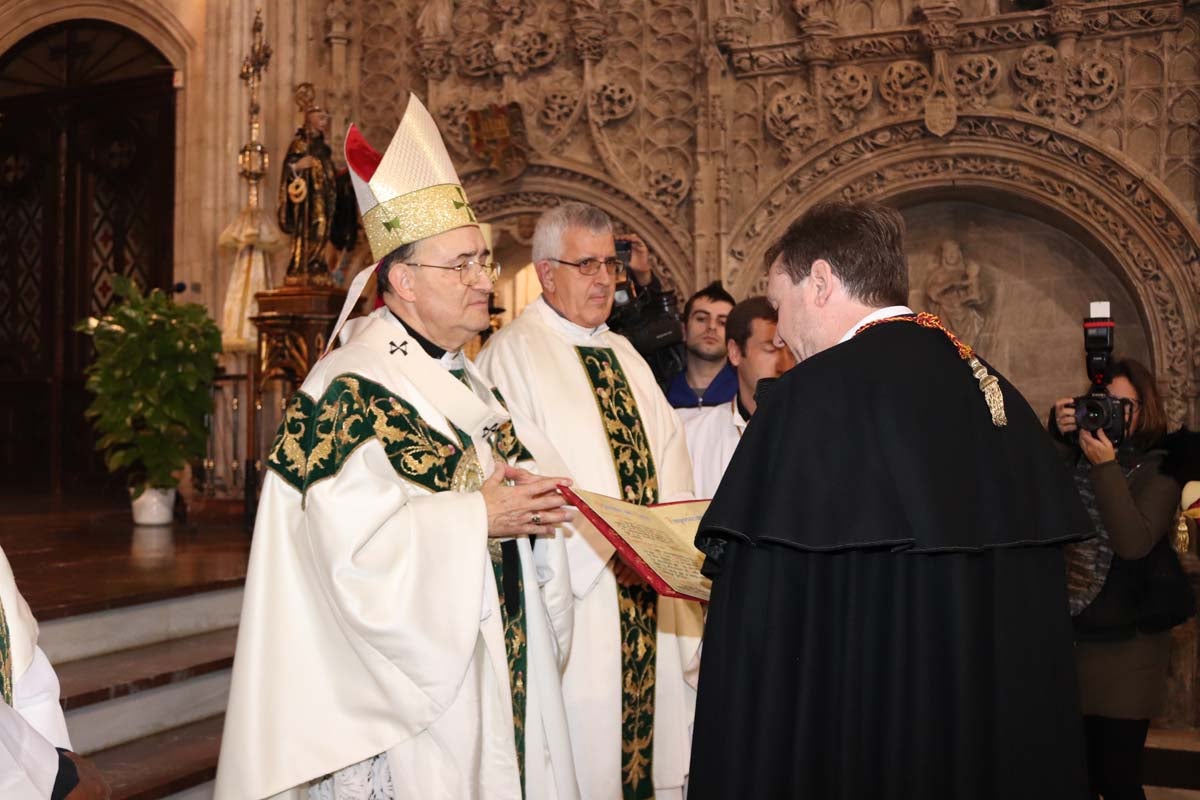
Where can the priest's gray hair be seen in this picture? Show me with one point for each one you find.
(548, 234)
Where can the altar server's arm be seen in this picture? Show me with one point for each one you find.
(36, 697)
(28, 763)
(31, 768)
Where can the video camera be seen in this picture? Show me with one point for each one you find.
(647, 318)
(1098, 410)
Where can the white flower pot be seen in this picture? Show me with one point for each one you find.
(154, 507)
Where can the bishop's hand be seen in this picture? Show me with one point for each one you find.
(520, 503)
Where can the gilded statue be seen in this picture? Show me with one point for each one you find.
(308, 195)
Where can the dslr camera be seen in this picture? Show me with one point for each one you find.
(647, 318)
(1098, 410)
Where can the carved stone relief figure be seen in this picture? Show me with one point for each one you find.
(955, 292)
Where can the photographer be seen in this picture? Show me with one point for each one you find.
(1124, 584)
(644, 311)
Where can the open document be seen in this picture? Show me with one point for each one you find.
(657, 541)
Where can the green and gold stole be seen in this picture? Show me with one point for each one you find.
(510, 583)
(638, 608)
(317, 436)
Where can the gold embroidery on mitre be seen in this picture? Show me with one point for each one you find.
(415, 216)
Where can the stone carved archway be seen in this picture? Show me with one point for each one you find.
(541, 187)
(1128, 216)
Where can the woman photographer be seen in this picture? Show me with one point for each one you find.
(1123, 584)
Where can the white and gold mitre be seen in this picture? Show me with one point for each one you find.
(410, 192)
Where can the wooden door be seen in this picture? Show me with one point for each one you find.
(86, 193)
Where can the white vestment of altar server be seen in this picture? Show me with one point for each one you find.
(371, 622)
(534, 364)
(712, 435)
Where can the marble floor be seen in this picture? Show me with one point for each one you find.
(70, 561)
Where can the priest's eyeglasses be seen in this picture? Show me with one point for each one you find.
(590, 266)
(468, 271)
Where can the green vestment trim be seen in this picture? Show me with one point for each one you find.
(513, 615)
(6, 672)
(515, 644)
(317, 436)
(638, 605)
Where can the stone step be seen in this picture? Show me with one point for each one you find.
(124, 719)
(88, 681)
(123, 627)
(205, 791)
(137, 692)
(179, 763)
(1173, 758)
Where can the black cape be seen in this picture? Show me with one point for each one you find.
(889, 615)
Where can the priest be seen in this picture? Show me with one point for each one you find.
(400, 637)
(629, 681)
(889, 615)
(36, 762)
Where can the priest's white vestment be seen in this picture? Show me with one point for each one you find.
(31, 719)
(712, 435)
(372, 622)
(535, 363)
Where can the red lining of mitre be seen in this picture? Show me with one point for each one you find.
(360, 156)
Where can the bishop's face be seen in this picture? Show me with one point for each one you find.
(585, 300)
(799, 326)
(444, 309)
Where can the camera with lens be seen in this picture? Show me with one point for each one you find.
(1098, 410)
(645, 316)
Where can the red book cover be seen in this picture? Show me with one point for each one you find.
(677, 553)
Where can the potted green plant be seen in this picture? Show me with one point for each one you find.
(151, 379)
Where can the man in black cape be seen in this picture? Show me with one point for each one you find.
(889, 616)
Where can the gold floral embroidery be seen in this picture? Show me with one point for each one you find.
(315, 439)
(622, 424)
(288, 456)
(637, 605)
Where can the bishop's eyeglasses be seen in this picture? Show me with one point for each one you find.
(590, 266)
(468, 271)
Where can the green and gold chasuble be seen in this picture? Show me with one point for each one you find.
(317, 436)
(638, 605)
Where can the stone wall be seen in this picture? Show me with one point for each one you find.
(706, 127)
(1019, 295)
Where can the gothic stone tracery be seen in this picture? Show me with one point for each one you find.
(709, 125)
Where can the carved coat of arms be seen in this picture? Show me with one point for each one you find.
(498, 136)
